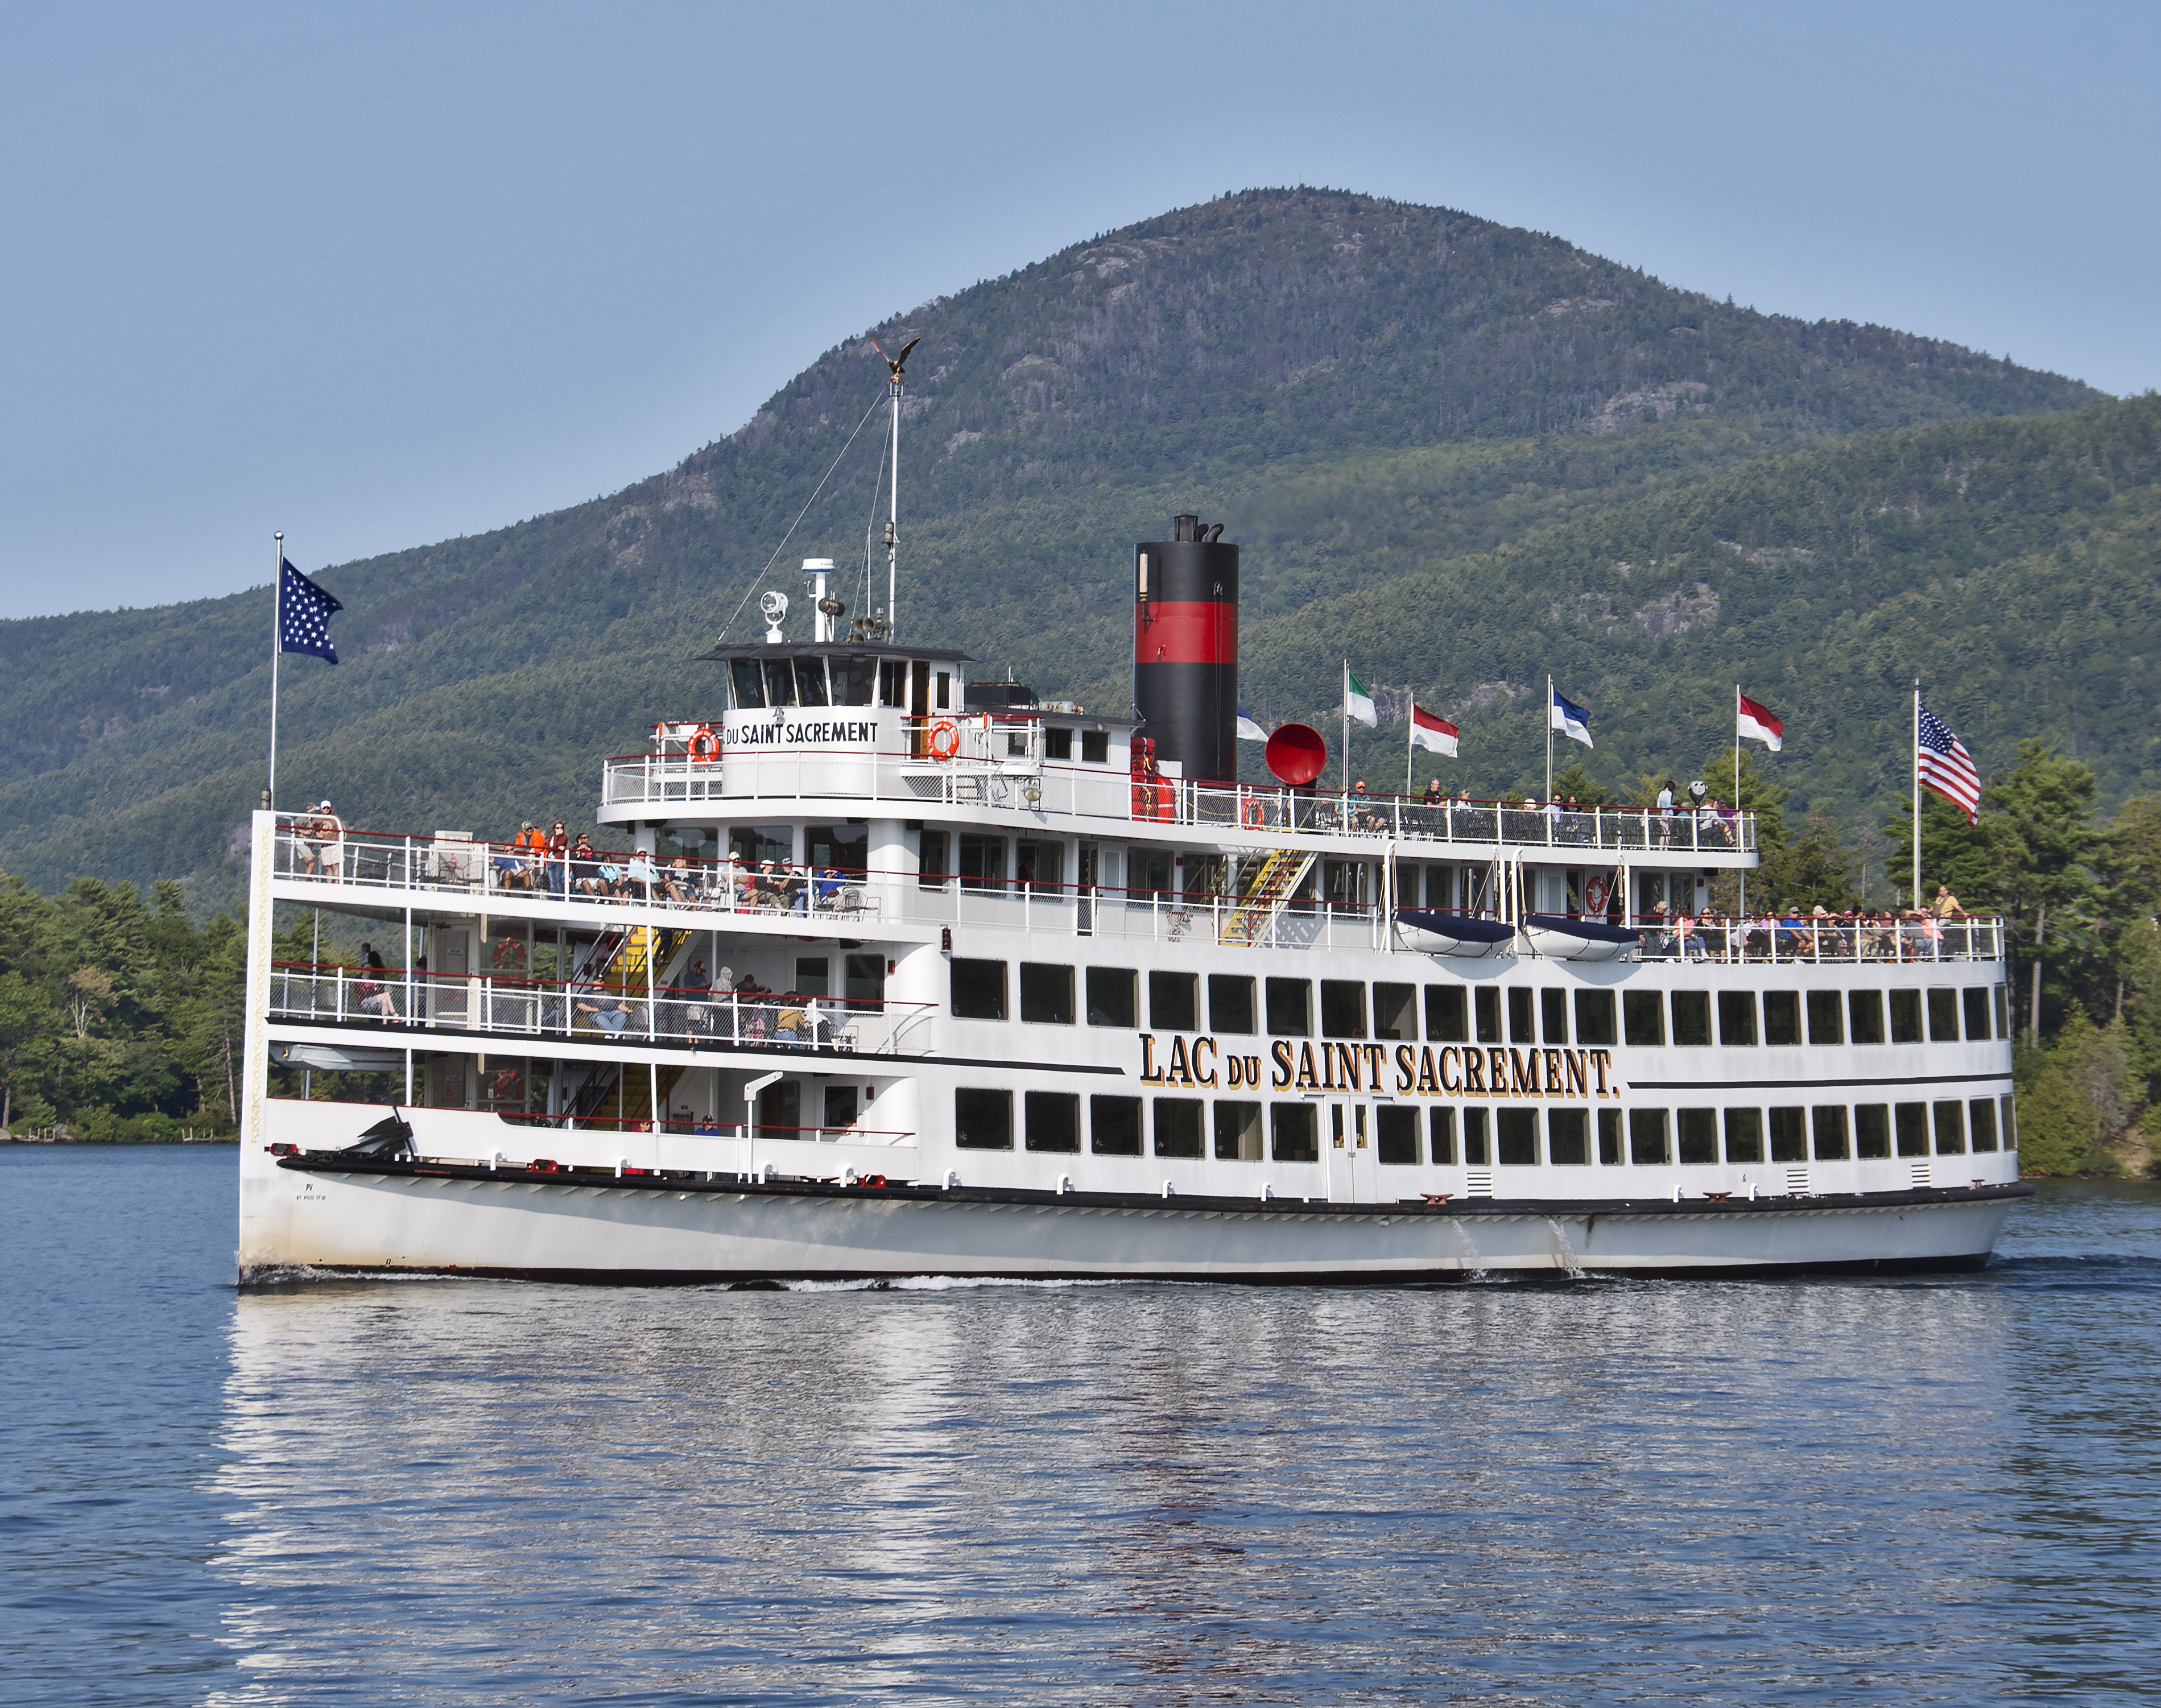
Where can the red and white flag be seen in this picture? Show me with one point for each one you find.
(1436, 734)
(1942, 765)
(1757, 723)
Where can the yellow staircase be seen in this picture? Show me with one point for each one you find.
(1274, 884)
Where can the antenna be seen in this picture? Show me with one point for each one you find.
(898, 367)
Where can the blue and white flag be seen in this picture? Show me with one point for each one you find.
(1248, 731)
(1571, 718)
(303, 614)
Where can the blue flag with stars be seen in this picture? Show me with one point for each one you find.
(303, 614)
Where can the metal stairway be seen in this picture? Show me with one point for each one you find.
(1273, 887)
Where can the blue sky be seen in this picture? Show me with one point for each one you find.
(381, 275)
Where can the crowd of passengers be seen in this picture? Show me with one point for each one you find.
(1908, 933)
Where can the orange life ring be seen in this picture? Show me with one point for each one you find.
(1250, 811)
(945, 739)
(704, 746)
(1594, 895)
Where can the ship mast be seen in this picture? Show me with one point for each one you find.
(898, 367)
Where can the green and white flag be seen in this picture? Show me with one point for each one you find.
(1357, 702)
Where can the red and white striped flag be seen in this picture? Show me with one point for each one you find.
(1757, 723)
(1436, 734)
(1942, 765)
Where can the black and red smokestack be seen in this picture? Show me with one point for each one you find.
(1185, 649)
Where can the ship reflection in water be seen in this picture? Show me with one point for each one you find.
(458, 1493)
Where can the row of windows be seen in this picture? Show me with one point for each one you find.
(1110, 996)
(1180, 1127)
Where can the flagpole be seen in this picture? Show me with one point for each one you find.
(1917, 793)
(1347, 726)
(1549, 713)
(277, 614)
(1742, 871)
(1410, 730)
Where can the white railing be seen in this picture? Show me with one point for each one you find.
(1807, 941)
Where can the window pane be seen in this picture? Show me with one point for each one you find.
(1789, 1139)
(1553, 1015)
(1114, 1126)
(1440, 1131)
(1951, 1129)
(1737, 1017)
(810, 681)
(1646, 1137)
(1692, 1016)
(1395, 1012)
(779, 683)
(982, 862)
(1609, 1137)
(1230, 1003)
(1447, 1014)
(1913, 1129)
(1977, 1013)
(749, 683)
(1744, 1135)
(1523, 1028)
(1943, 1017)
(1095, 747)
(1782, 1017)
(1594, 1017)
(1175, 1001)
(1824, 1027)
(1474, 1151)
(1058, 744)
(1872, 1130)
(1054, 1121)
(1981, 1111)
(1568, 1137)
(1290, 1008)
(1342, 1009)
(1516, 1136)
(1177, 1127)
(1397, 1139)
(983, 1120)
(1046, 994)
(1905, 1016)
(1238, 1132)
(1829, 1121)
(1486, 1004)
(935, 869)
(1645, 1013)
(979, 989)
(1111, 996)
(855, 680)
(1294, 1131)
(1697, 1131)
(2010, 1121)
(892, 682)
(1864, 1013)
(2003, 1016)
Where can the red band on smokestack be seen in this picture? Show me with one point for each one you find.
(1181, 633)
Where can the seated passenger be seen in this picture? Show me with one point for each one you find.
(639, 877)
(678, 884)
(602, 1009)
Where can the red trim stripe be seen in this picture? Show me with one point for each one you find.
(1185, 632)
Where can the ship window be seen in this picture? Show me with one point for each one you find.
(1205, 873)
(983, 1120)
(842, 1108)
(2010, 1121)
(1982, 1113)
(1782, 1016)
(1295, 1130)
(1737, 1017)
(1553, 1015)
(1864, 1015)
(1594, 1017)
(1692, 1017)
(1646, 1137)
(1342, 1009)
(751, 845)
(2003, 1016)
(1178, 1127)
(1046, 994)
(780, 1109)
(892, 682)
(945, 691)
(1521, 1028)
(1485, 1003)
(1114, 1126)
(935, 867)
(779, 683)
(1058, 744)
(1396, 1137)
(749, 683)
(1943, 1017)
(1568, 1137)
(1230, 1003)
(1823, 1026)
(1474, 1151)
(1395, 1011)
(865, 978)
(1829, 1123)
(1913, 1124)
(979, 990)
(847, 847)
(1697, 1131)
(1441, 1134)
(1111, 996)
(1744, 1135)
(1516, 1138)
(1872, 1130)
(813, 974)
(1346, 882)
(1977, 1013)
(1609, 1137)
(810, 682)
(1054, 1121)
(1645, 1013)
(1040, 866)
(1905, 1016)
(1149, 871)
(855, 680)
(1440, 888)
(1175, 1001)
(1238, 1132)
(982, 862)
(1788, 1139)
(1095, 747)
(1290, 1008)
(1447, 1014)
(1951, 1129)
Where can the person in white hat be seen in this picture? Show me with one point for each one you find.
(318, 850)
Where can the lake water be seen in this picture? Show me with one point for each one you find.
(1912, 1491)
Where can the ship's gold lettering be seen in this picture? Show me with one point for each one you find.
(1473, 1072)
(1428, 1082)
(1406, 1069)
(1178, 1072)
(1252, 1071)
(1579, 1081)
(1601, 1060)
(1377, 1063)
(1151, 1074)
(1552, 1073)
(1306, 1074)
(1496, 1071)
(1280, 1049)
(1200, 1076)
(1234, 1072)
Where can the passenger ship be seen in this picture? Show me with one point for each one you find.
(907, 973)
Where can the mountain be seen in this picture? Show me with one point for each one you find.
(1436, 437)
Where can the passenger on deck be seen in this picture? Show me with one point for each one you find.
(1946, 906)
(1433, 795)
(678, 883)
(320, 834)
(788, 1027)
(586, 877)
(557, 843)
(639, 877)
(601, 1008)
(694, 991)
(830, 884)
(510, 864)
(373, 991)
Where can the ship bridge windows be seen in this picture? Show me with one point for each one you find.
(1058, 744)
(810, 682)
(1230, 1002)
(779, 683)
(748, 682)
(892, 682)
(1175, 1001)
(855, 680)
(1095, 747)
(1290, 1008)
(1113, 999)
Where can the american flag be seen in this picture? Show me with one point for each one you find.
(303, 614)
(1942, 764)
